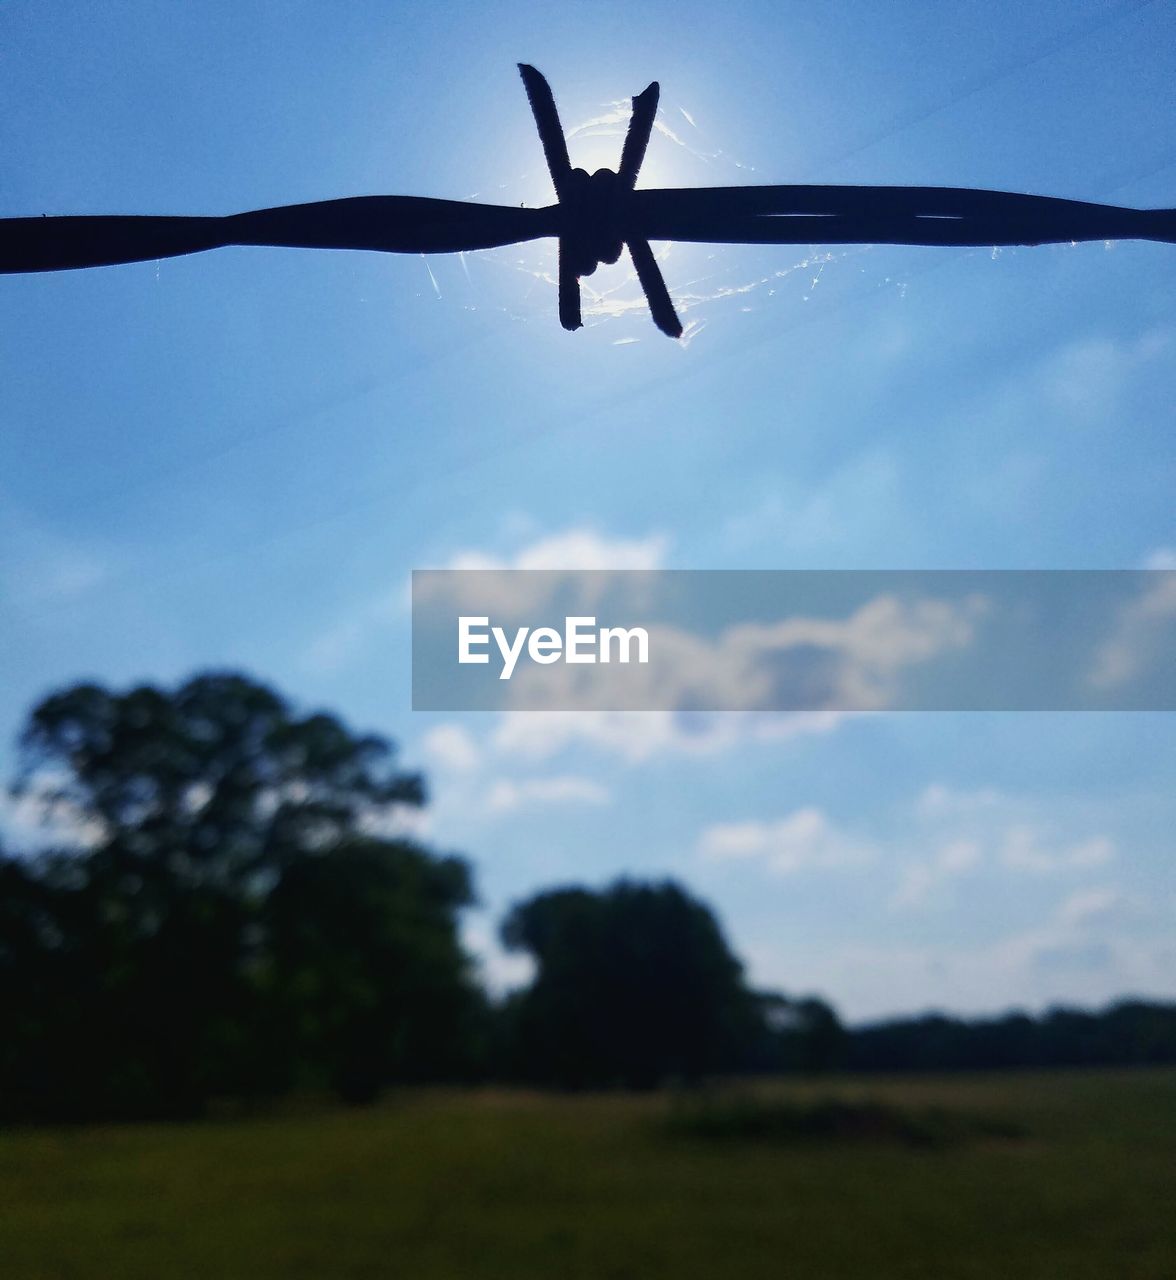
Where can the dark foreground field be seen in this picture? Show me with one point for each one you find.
(519, 1186)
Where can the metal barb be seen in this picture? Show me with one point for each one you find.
(596, 211)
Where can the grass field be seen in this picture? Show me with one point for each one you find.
(494, 1184)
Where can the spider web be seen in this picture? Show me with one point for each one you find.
(521, 281)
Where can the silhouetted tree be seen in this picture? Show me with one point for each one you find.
(1129, 1032)
(634, 985)
(368, 964)
(229, 922)
(802, 1034)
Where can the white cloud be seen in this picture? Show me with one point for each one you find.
(1140, 636)
(810, 523)
(572, 549)
(1008, 829)
(956, 833)
(802, 841)
(42, 569)
(810, 663)
(1087, 378)
(941, 837)
(536, 571)
(919, 880)
(940, 802)
(632, 736)
(452, 747)
(509, 796)
(853, 661)
(1025, 848)
(1102, 905)
(637, 736)
(569, 550)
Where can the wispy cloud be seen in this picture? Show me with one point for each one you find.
(573, 549)
(40, 568)
(960, 831)
(805, 840)
(1086, 379)
(1141, 635)
(509, 796)
(580, 548)
(811, 663)
(1160, 558)
(452, 747)
(641, 736)
(1024, 848)
(938, 839)
(920, 880)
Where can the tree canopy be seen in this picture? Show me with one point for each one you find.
(234, 913)
(633, 985)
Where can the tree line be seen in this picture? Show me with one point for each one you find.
(1127, 1033)
(236, 915)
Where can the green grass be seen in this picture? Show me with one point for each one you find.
(739, 1117)
(496, 1184)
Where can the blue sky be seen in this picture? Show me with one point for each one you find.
(238, 458)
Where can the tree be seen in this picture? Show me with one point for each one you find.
(634, 985)
(796, 1034)
(229, 920)
(369, 968)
